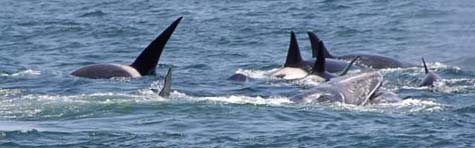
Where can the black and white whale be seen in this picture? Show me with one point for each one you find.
(295, 67)
(357, 89)
(375, 61)
(319, 72)
(430, 77)
(320, 67)
(144, 64)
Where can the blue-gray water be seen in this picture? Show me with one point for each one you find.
(41, 42)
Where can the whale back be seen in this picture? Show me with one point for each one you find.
(430, 77)
(144, 64)
(359, 88)
(105, 71)
(356, 89)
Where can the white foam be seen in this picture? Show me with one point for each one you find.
(28, 72)
(438, 65)
(413, 105)
(256, 74)
(447, 86)
(236, 99)
(404, 106)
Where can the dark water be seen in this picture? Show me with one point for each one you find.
(41, 42)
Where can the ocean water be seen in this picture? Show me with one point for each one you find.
(41, 42)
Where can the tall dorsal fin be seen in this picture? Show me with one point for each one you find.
(147, 61)
(294, 59)
(321, 45)
(165, 92)
(348, 66)
(425, 66)
(325, 50)
(319, 65)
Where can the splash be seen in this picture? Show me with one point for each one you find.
(256, 74)
(23, 73)
(235, 99)
(405, 106)
(37, 106)
(448, 86)
(412, 106)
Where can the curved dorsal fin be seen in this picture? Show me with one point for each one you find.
(147, 61)
(319, 66)
(294, 59)
(165, 92)
(321, 45)
(425, 66)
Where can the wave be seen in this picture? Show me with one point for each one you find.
(40, 107)
(404, 106)
(236, 99)
(24, 73)
(20, 106)
(256, 74)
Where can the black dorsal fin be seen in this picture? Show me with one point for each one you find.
(315, 40)
(294, 59)
(147, 61)
(348, 66)
(165, 92)
(325, 50)
(425, 66)
(319, 66)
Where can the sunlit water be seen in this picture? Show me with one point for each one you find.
(41, 105)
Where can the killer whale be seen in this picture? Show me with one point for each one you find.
(430, 77)
(375, 61)
(295, 67)
(319, 68)
(357, 89)
(144, 64)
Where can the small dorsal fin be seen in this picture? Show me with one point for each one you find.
(315, 40)
(147, 61)
(165, 92)
(348, 66)
(425, 66)
(319, 66)
(294, 59)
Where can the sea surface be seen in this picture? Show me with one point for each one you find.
(42, 42)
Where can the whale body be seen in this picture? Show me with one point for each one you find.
(144, 64)
(357, 89)
(374, 61)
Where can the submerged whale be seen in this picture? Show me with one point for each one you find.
(295, 67)
(375, 61)
(430, 77)
(357, 89)
(144, 64)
